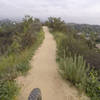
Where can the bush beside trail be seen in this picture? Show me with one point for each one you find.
(18, 43)
(78, 58)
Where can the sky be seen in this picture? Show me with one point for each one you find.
(74, 11)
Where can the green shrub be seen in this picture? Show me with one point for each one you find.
(23, 67)
(13, 65)
(8, 90)
(76, 57)
(19, 36)
(93, 58)
(56, 23)
(92, 87)
(69, 46)
(76, 47)
(9, 74)
(74, 69)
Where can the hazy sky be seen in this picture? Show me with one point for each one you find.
(79, 11)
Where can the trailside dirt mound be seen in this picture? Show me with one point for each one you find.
(44, 75)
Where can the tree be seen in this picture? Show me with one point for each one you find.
(57, 24)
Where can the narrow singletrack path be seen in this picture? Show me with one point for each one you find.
(44, 75)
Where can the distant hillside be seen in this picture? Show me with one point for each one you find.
(85, 27)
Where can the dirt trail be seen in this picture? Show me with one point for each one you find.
(44, 75)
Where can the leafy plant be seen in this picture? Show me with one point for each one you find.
(92, 87)
(74, 69)
(8, 90)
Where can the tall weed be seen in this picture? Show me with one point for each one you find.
(74, 69)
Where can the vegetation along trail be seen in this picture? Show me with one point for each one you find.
(44, 75)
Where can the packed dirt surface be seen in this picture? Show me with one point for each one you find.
(44, 75)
